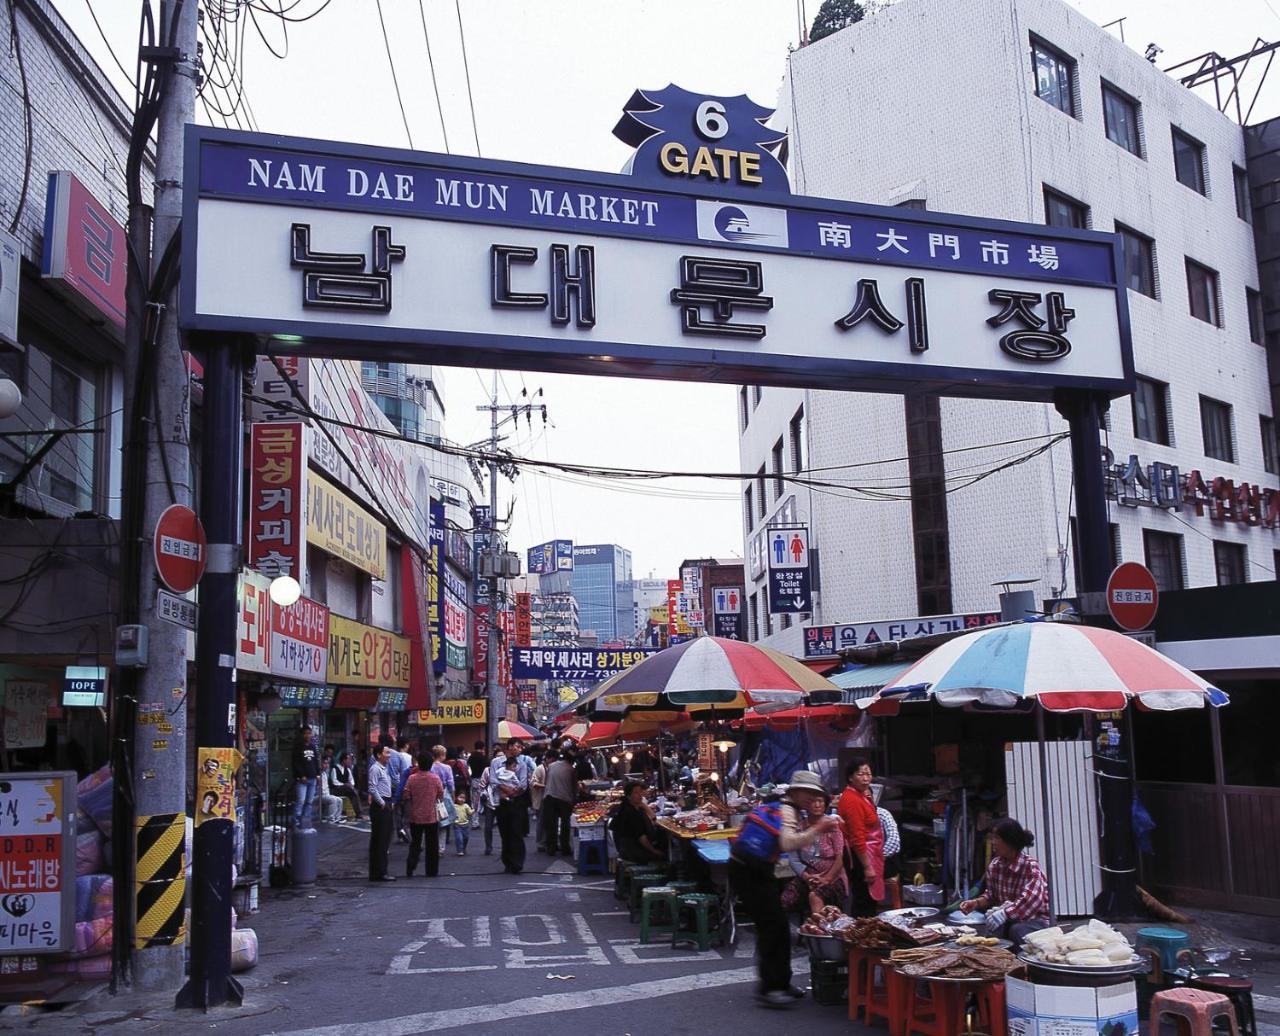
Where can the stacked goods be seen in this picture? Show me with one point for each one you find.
(969, 939)
(981, 963)
(586, 814)
(829, 921)
(867, 933)
(1092, 945)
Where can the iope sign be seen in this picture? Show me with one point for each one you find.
(700, 264)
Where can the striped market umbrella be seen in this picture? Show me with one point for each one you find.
(838, 714)
(708, 674)
(636, 725)
(509, 728)
(1065, 667)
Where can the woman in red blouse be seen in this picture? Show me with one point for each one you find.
(864, 836)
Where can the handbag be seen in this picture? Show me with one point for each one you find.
(442, 812)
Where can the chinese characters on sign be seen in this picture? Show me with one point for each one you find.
(823, 641)
(788, 549)
(277, 479)
(574, 663)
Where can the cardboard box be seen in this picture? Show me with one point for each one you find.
(1038, 1010)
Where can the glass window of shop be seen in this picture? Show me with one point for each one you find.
(1247, 758)
(1173, 746)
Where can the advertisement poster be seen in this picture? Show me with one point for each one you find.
(26, 712)
(37, 869)
(215, 784)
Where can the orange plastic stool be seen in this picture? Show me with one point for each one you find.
(993, 1016)
(893, 892)
(1197, 1007)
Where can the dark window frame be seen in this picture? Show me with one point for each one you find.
(1257, 322)
(1240, 186)
(1158, 424)
(1214, 314)
(1147, 247)
(1109, 92)
(1154, 543)
(1078, 208)
(1220, 444)
(1190, 145)
(1232, 560)
(1039, 46)
(1270, 444)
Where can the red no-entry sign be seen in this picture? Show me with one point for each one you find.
(1132, 596)
(179, 548)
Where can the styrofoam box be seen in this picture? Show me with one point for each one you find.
(1036, 1010)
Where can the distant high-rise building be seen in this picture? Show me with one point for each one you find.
(601, 581)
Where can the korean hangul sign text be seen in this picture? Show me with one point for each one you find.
(480, 666)
(37, 862)
(524, 620)
(341, 527)
(366, 656)
(253, 640)
(448, 713)
(277, 482)
(789, 591)
(270, 383)
(300, 641)
(435, 587)
(455, 619)
(822, 641)
(726, 612)
(84, 248)
(552, 663)
(507, 629)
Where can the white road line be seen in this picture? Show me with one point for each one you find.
(552, 1003)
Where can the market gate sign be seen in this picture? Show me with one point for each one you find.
(349, 251)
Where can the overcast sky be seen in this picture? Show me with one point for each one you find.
(548, 81)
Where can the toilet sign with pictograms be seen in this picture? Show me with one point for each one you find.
(179, 548)
(1132, 596)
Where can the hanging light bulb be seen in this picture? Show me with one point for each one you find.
(284, 590)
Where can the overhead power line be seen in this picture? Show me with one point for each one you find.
(435, 86)
(386, 41)
(466, 68)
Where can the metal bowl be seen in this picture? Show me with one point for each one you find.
(908, 916)
(1136, 965)
(923, 895)
(827, 947)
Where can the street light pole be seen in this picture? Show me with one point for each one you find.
(492, 690)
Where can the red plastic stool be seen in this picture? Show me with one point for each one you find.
(1239, 991)
(861, 967)
(938, 1014)
(993, 1017)
(1196, 1007)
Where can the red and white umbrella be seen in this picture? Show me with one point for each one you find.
(509, 728)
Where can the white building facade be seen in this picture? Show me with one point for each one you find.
(1020, 110)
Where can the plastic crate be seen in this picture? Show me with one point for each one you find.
(830, 982)
(594, 833)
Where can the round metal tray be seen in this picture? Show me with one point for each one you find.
(1001, 944)
(1135, 966)
(911, 915)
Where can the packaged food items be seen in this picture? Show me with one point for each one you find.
(1092, 945)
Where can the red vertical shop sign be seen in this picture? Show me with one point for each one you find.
(507, 627)
(524, 620)
(480, 667)
(277, 488)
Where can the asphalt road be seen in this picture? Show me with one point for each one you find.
(473, 949)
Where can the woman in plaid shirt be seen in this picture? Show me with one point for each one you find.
(1016, 901)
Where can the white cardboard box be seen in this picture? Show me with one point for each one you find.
(1038, 1010)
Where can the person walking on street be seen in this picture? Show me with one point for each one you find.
(306, 769)
(772, 829)
(462, 826)
(381, 811)
(422, 798)
(557, 804)
(488, 801)
(441, 768)
(399, 763)
(537, 789)
(477, 763)
(511, 784)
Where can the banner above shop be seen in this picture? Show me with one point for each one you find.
(824, 641)
(586, 664)
(357, 252)
(341, 527)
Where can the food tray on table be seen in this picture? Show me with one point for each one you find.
(999, 944)
(909, 915)
(1135, 966)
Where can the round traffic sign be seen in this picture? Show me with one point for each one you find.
(179, 548)
(1132, 596)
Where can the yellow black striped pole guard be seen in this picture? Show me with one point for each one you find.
(160, 881)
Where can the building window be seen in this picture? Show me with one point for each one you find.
(762, 498)
(1163, 552)
(1055, 76)
(777, 470)
(1270, 452)
(1062, 211)
(1253, 300)
(1202, 293)
(747, 508)
(1188, 161)
(1151, 410)
(768, 615)
(1139, 260)
(1215, 425)
(1120, 116)
(1240, 181)
(756, 394)
(753, 618)
(797, 441)
(744, 409)
(1229, 563)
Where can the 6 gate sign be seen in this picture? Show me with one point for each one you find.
(1132, 596)
(179, 548)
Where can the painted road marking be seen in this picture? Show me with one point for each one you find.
(552, 1003)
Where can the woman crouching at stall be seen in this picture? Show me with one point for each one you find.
(1016, 901)
(823, 881)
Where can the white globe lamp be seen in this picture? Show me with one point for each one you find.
(10, 398)
(284, 591)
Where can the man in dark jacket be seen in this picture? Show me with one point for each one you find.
(306, 768)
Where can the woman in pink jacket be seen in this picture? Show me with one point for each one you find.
(422, 791)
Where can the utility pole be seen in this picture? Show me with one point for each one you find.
(147, 866)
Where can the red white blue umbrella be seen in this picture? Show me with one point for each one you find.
(1066, 667)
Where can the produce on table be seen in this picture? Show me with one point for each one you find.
(983, 963)
(587, 813)
(977, 940)
(1092, 945)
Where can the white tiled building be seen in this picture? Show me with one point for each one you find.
(1022, 110)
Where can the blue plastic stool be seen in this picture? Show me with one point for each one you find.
(593, 858)
(1167, 942)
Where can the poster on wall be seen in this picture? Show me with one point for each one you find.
(26, 713)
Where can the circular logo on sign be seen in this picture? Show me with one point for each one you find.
(731, 222)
